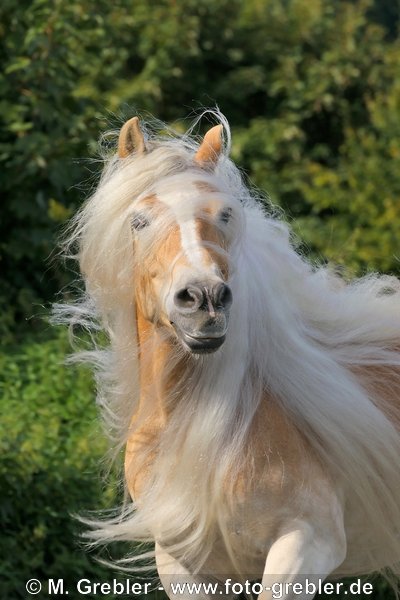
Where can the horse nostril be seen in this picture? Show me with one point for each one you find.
(222, 296)
(196, 297)
(189, 298)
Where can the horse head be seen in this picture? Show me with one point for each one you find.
(182, 228)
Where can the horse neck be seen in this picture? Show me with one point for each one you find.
(155, 374)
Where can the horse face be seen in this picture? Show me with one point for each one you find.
(181, 243)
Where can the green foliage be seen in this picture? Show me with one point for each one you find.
(45, 49)
(50, 450)
(327, 147)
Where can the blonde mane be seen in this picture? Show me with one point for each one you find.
(326, 351)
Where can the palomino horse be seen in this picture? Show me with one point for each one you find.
(257, 397)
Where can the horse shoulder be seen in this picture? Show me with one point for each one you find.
(289, 479)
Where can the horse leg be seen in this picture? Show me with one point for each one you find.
(303, 554)
(179, 583)
(175, 578)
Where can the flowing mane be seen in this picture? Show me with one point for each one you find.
(325, 352)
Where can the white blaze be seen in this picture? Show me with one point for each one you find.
(191, 245)
(181, 204)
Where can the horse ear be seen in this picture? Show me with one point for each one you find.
(131, 139)
(210, 148)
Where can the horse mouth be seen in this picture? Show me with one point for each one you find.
(202, 345)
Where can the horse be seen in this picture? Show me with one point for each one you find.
(255, 396)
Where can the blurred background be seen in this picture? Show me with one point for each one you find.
(312, 91)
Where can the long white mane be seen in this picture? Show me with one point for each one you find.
(327, 351)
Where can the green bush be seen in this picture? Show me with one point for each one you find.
(326, 145)
(50, 450)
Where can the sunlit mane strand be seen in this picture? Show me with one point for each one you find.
(282, 343)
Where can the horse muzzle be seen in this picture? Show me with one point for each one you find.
(200, 316)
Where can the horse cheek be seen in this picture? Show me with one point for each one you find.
(146, 299)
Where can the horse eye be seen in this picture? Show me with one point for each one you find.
(225, 215)
(139, 221)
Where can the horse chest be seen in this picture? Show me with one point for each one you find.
(277, 483)
(255, 523)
